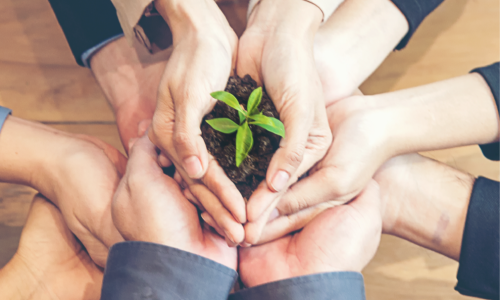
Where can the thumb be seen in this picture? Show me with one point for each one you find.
(191, 150)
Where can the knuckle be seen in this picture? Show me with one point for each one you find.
(294, 156)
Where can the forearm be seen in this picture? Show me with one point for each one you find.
(295, 18)
(18, 282)
(354, 42)
(22, 151)
(451, 113)
(426, 202)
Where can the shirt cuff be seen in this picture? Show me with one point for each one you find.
(87, 55)
(479, 261)
(327, 7)
(415, 12)
(491, 75)
(4, 113)
(140, 270)
(324, 286)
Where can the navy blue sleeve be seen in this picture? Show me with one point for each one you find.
(491, 75)
(4, 113)
(139, 270)
(415, 12)
(324, 286)
(478, 271)
(86, 23)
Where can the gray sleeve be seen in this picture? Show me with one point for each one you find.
(139, 270)
(324, 286)
(4, 113)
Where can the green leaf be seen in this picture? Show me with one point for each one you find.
(223, 125)
(254, 101)
(229, 99)
(242, 117)
(270, 124)
(244, 143)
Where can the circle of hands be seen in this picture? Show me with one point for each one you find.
(330, 220)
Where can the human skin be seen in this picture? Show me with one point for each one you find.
(342, 238)
(78, 173)
(49, 262)
(369, 130)
(161, 213)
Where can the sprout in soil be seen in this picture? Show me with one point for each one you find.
(244, 138)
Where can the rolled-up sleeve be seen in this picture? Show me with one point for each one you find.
(324, 286)
(492, 77)
(139, 270)
(479, 256)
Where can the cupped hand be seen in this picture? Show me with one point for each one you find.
(202, 59)
(342, 238)
(360, 146)
(277, 52)
(82, 187)
(49, 263)
(149, 206)
(131, 86)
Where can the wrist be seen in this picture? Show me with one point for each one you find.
(296, 18)
(450, 113)
(425, 202)
(191, 17)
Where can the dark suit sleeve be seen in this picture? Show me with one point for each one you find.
(415, 12)
(138, 270)
(478, 271)
(324, 286)
(86, 23)
(491, 76)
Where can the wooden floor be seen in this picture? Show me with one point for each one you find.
(40, 81)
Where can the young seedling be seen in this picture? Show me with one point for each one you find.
(244, 138)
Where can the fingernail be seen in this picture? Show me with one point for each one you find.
(279, 181)
(245, 245)
(192, 166)
(274, 214)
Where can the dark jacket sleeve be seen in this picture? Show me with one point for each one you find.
(139, 270)
(415, 12)
(86, 23)
(478, 271)
(324, 286)
(492, 77)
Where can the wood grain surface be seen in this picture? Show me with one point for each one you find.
(40, 81)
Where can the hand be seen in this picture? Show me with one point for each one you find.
(202, 59)
(369, 130)
(276, 50)
(343, 238)
(130, 86)
(49, 262)
(149, 206)
(78, 173)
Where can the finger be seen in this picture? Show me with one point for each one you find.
(217, 181)
(310, 191)
(143, 126)
(187, 193)
(164, 161)
(143, 153)
(224, 219)
(253, 230)
(131, 142)
(210, 221)
(189, 145)
(284, 225)
(289, 155)
(369, 200)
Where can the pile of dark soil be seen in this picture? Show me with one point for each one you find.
(222, 146)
